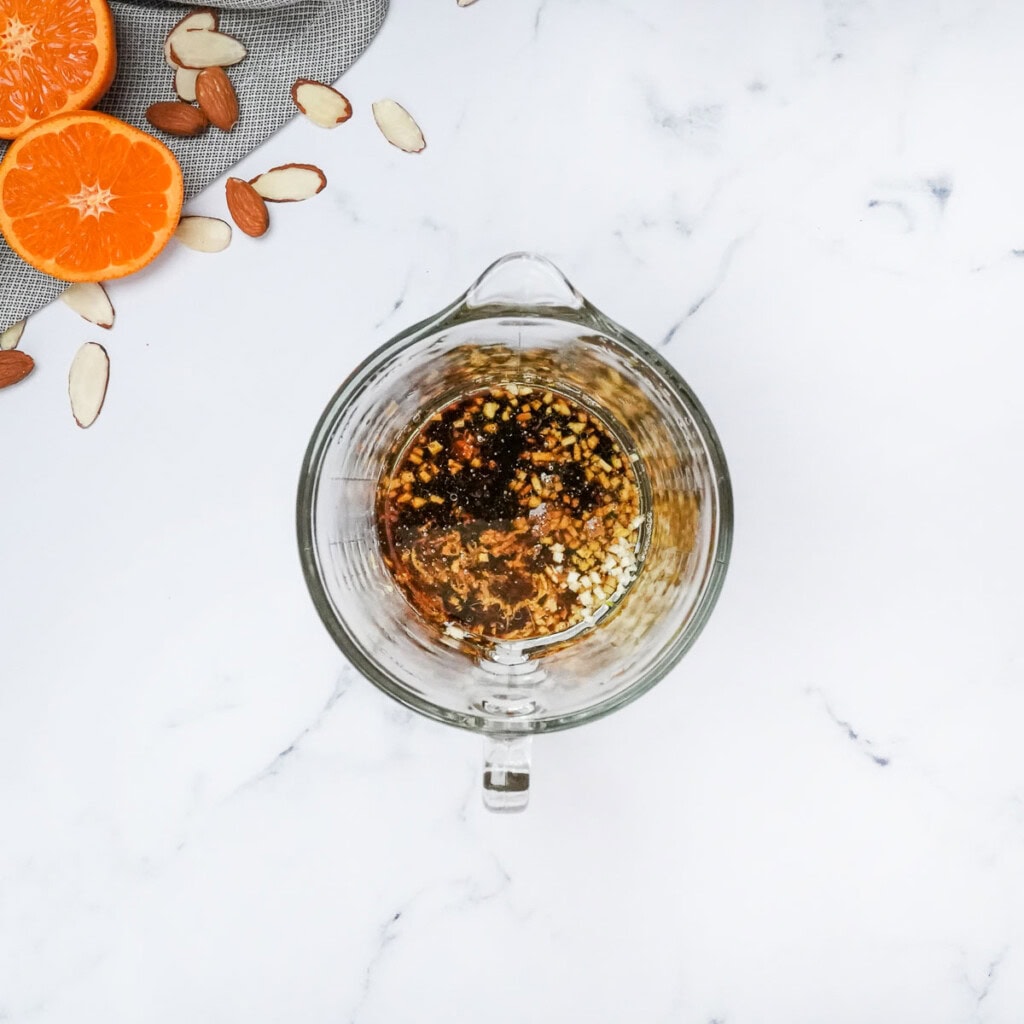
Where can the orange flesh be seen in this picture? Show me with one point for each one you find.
(55, 56)
(85, 197)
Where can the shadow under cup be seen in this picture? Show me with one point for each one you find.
(510, 689)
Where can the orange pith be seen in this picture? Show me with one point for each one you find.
(55, 56)
(86, 197)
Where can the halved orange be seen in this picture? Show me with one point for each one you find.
(55, 55)
(86, 197)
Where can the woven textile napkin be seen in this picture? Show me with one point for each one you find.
(286, 39)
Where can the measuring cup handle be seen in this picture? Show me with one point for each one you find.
(506, 772)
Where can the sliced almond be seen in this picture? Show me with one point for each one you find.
(9, 339)
(205, 50)
(14, 366)
(199, 19)
(87, 382)
(204, 234)
(185, 84)
(91, 302)
(177, 118)
(320, 103)
(289, 183)
(398, 127)
(247, 208)
(466, 3)
(203, 19)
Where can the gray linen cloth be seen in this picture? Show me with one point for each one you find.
(286, 39)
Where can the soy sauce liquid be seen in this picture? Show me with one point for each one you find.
(513, 513)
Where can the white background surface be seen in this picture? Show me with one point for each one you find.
(819, 816)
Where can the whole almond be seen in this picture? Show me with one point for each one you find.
(247, 208)
(320, 103)
(217, 98)
(177, 118)
(14, 366)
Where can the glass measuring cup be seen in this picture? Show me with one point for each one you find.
(520, 322)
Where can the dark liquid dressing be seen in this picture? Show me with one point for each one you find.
(513, 513)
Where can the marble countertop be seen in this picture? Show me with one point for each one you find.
(814, 208)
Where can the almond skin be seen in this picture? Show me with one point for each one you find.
(217, 98)
(177, 118)
(14, 366)
(247, 208)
